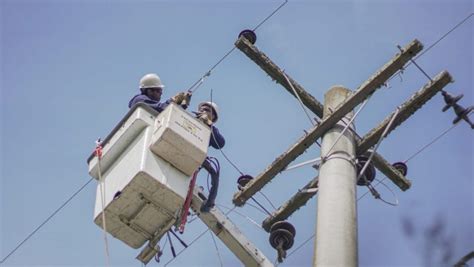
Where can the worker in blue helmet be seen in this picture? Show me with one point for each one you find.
(208, 112)
(151, 89)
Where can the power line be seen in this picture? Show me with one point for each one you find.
(217, 249)
(195, 239)
(45, 221)
(416, 153)
(198, 83)
(431, 143)
(270, 15)
(445, 35)
(435, 43)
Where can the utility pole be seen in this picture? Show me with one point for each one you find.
(336, 233)
(336, 226)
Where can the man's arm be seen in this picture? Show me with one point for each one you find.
(217, 140)
(152, 103)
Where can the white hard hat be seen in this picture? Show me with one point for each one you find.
(213, 106)
(150, 80)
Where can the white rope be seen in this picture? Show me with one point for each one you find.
(102, 195)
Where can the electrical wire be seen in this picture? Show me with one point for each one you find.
(241, 173)
(220, 148)
(195, 239)
(268, 199)
(228, 160)
(379, 182)
(299, 246)
(257, 208)
(238, 170)
(445, 35)
(260, 205)
(393, 193)
(418, 152)
(435, 43)
(242, 215)
(217, 249)
(45, 221)
(198, 83)
(431, 142)
(269, 16)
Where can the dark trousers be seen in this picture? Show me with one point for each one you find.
(214, 183)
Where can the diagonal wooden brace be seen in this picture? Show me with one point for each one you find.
(407, 109)
(366, 89)
(277, 75)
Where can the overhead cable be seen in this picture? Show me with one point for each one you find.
(198, 83)
(431, 142)
(45, 221)
(194, 240)
(238, 170)
(242, 215)
(217, 249)
(435, 43)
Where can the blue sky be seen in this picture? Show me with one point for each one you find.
(68, 69)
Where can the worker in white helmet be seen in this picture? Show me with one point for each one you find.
(151, 89)
(208, 112)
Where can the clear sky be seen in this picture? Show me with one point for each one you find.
(69, 68)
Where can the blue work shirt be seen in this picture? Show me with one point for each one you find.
(217, 140)
(158, 106)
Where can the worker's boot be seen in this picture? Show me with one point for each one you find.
(207, 206)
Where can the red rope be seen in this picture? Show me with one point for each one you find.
(98, 149)
(187, 202)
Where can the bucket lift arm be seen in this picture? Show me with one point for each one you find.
(229, 234)
(224, 229)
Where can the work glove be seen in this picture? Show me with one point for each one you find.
(183, 99)
(205, 117)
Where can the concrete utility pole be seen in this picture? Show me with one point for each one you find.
(336, 227)
(336, 233)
